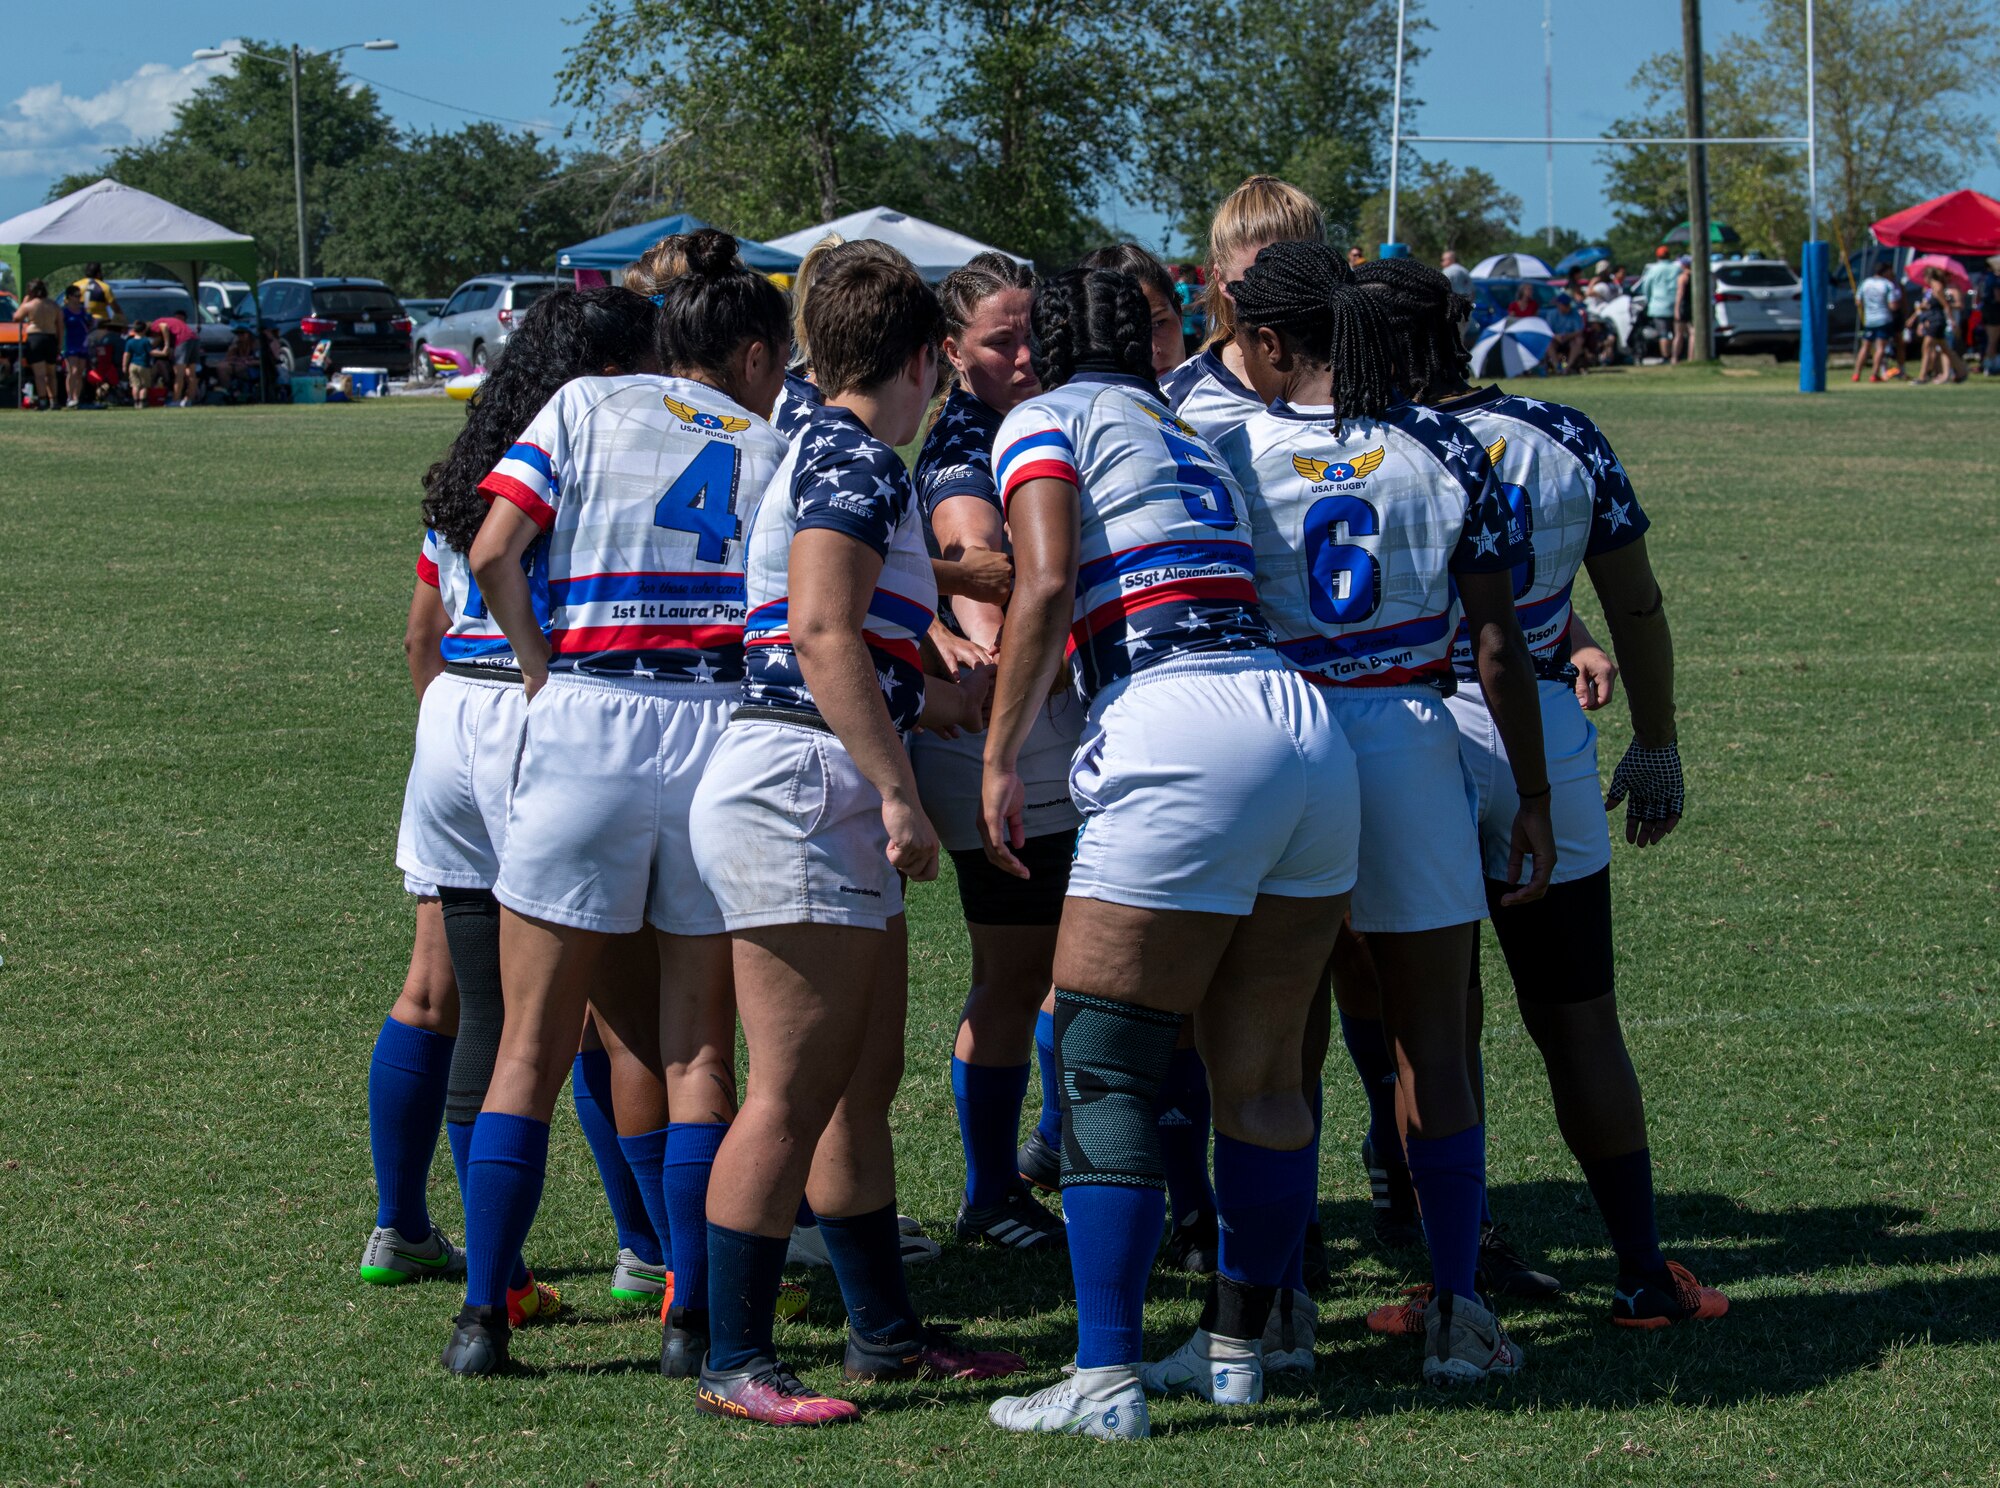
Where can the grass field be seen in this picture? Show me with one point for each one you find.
(205, 726)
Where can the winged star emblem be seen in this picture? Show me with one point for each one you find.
(1339, 470)
(1496, 449)
(687, 413)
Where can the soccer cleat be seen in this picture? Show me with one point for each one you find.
(536, 1302)
(1222, 1371)
(1039, 1163)
(768, 1393)
(934, 1355)
(683, 1343)
(1398, 1226)
(632, 1280)
(1648, 1305)
(808, 1249)
(1017, 1222)
(1290, 1334)
(1191, 1244)
(1105, 1403)
(1403, 1319)
(1464, 1343)
(478, 1342)
(1505, 1272)
(390, 1260)
(791, 1304)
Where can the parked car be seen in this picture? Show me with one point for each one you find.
(1757, 300)
(482, 313)
(149, 299)
(361, 317)
(219, 299)
(422, 312)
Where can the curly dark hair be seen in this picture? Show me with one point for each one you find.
(1305, 292)
(566, 334)
(1424, 316)
(1090, 320)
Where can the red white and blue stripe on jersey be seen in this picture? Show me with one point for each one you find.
(525, 476)
(472, 636)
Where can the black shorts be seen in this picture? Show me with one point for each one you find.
(188, 353)
(992, 897)
(38, 348)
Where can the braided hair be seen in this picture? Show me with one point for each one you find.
(1090, 320)
(1424, 315)
(1305, 292)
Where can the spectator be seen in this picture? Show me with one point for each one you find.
(43, 337)
(1683, 346)
(1603, 287)
(1989, 324)
(1573, 284)
(278, 377)
(1525, 302)
(76, 343)
(184, 342)
(239, 367)
(98, 300)
(1936, 316)
(1572, 336)
(1355, 257)
(1456, 272)
(1188, 291)
(139, 362)
(1877, 300)
(1657, 287)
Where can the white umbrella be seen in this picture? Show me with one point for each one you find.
(1519, 344)
(1512, 266)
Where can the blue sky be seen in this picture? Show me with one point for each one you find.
(71, 92)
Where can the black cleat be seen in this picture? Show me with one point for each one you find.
(1017, 1222)
(684, 1342)
(1504, 1271)
(1398, 1225)
(1039, 1164)
(478, 1342)
(934, 1354)
(1192, 1244)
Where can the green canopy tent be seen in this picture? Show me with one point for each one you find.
(110, 221)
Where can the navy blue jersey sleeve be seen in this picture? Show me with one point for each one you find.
(856, 486)
(1615, 516)
(1493, 538)
(957, 458)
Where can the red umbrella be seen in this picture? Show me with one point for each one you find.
(1951, 268)
(1957, 222)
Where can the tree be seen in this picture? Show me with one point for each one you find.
(1439, 206)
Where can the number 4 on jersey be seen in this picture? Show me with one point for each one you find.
(702, 500)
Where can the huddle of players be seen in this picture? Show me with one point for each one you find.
(753, 715)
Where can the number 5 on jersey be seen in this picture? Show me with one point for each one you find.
(702, 500)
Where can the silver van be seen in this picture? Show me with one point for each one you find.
(481, 314)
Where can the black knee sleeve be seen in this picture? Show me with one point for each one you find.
(472, 933)
(1558, 949)
(1114, 1059)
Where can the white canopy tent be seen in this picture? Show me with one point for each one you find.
(935, 250)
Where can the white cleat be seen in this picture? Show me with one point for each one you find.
(1290, 1334)
(1104, 1403)
(1464, 1343)
(1222, 1371)
(808, 1249)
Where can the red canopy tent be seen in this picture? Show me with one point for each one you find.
(1957, 222)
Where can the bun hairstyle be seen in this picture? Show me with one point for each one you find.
(665, 261)
(1307, 294)
(715, 307)
(869, 313)
(966, 288)
(1091, 320)
(1424, 314)
(1263, 209)
(566, 334)
(1130, 258)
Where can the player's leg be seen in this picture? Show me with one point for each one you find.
(1358, 996)
(620, 1091)
(1040, 1156)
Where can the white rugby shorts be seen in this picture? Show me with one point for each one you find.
(598, 835)
(1206, 781)
(1419, 848)
(455, 805)
(949, 770)
(788, 831)
(1576, 801)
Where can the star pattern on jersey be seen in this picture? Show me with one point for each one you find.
(962, 437)
(1136, 642)
(1526, 402)
(1599, 462)
(1456, 448)
(890, 682)
(1193, 622)
(1618, 514)
(703, 672)
(1570, 433)
(1427, 415)
(1487, 541)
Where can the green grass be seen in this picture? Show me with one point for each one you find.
(205, 727)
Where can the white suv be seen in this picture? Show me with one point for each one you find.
(481, 314)
(1756, 299)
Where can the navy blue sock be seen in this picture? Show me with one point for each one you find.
(1264, 1198)
(459, 1135)
(1623, 1188)
(645, 1156)
(988, 1097)
(406, 1085)
(590, 1086)
(503, 1174)
(1183, 1108)
(805, 1219)
(691, 1149)
(1295, 1264)
(1450, 1176)
(1049, 1124)
(1114, 1229)
(746, 1271)
(867, 1255)
(1368, 1046)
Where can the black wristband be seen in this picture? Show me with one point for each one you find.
(1534, 795)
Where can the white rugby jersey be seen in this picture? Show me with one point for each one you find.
(1166, 566)
(1358, 535)
(1208, 395)
(839, 476)
(1563, 484)
(473, 637)
(644, 486)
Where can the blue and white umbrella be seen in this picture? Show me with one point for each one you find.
(1518, 345)
(1512, 266)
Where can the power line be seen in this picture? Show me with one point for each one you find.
(537, 124)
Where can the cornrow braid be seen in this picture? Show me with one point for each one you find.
(1090, 319)
(1424, 314)
(1305, 292)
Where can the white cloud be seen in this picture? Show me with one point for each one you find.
(48, 131)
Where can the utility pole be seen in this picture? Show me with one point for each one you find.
(299, 167)
(1701, 296)
(1549, 109)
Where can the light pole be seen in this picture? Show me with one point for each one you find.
(291, 63)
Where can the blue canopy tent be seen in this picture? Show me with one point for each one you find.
(1583, 258)
(614, 250)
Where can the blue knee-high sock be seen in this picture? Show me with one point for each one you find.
(1623, 1188)
(1450, 1176)
(503, 1175)
(1049, 1124)
(988, 1097)
(867, 1255)
(459, 1135)
(1368, 1046)
(805, 1219)
(590, 1086)
(1295, 1264)
(1183, 1122)
(406, 1087)
(1264, 1198)
(1114, 1231)
(691, 1149)
(745, 1271)
(646, 1156)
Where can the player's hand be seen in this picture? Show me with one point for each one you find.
(985, 576)
(1596, 676)
(1652, 779)
(956, 652)
(1002, 800)
(913, 843)
(1534, 836)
